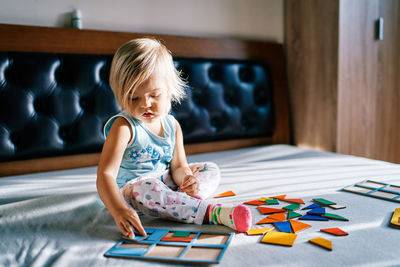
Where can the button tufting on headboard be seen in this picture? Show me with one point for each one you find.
(57, 104)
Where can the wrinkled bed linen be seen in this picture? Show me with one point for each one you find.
(57, 218)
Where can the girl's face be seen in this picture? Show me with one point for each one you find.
(150, 100)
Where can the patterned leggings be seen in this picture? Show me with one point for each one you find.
(157, 195)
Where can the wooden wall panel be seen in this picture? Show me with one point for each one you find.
(369, 80)
(344, 83)
(387, 116)
(358, 81)
(312, 58)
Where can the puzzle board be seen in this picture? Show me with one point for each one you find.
(376, 189)
(173, 245)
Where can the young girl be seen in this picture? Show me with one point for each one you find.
(143, 165)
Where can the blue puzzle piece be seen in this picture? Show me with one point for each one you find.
(312, 206)
(283, 226)
(317, 211)
(313, 217)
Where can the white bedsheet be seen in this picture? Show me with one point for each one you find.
(57, 219)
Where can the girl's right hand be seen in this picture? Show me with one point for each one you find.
(126, 218)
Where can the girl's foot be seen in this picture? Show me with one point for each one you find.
(238, 218)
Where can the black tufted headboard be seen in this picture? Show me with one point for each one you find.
(55, 103)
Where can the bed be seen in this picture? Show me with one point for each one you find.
(50, 213)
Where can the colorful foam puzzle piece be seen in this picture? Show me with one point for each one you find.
(337, 207)
(334, 231)
(181, 234)
(323, 201)
(136, 238)
(312, 206)
(395, 221)
(322, 242)
(225, 194)
(266, 220)
(280, 197)
(294, 200)
(317, 211)
(334, 217)
(265, 210)
(279, 238)
(313, 218)
(254, 202)
(263, 199)
(298, 226)
(259, 231)
(291, 214)
(293, 206)
(273, 201)
(278, 217)
(176, 239)
(283, 226)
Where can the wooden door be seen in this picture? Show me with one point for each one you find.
(369, 83)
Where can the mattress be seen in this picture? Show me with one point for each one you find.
(57, 218)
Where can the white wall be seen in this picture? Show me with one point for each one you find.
(256, 19)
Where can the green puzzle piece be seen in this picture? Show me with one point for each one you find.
(294, 206)
(334, 217)
(292, 214)
(324, 201)
(272, 201)
(181, 234)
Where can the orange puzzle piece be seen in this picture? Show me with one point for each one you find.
(280, 197)
(334, 231)
(266, 220)
(265, 210)
(226, 194)
(254, 202)
(294, 200)
(278, 217)
(298, 226)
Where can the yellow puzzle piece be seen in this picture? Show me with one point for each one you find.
(395, 221)
(325, 243)
(279, 238)
(259, 231)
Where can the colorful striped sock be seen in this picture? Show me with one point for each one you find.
(237, 218)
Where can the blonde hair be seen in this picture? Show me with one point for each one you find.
(135, 61)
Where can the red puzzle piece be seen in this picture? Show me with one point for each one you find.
(265, 210)
(334, 231)
(254, 202)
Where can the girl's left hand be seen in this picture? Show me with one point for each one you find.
(190, 185)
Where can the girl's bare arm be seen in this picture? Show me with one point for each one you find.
(107, 171)
(180, 171)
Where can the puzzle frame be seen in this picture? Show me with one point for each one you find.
(173, 246)
(375, 189)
